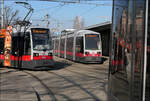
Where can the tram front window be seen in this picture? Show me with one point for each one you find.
(92, 42)
(41, 42)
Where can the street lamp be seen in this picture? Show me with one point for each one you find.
(28, 6)
(25, 22)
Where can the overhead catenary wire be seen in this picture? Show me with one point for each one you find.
(87, 11)
(79, 2)
(53, 11)
(57, 9)
(62, 3)
(65, 2)
(39, 10)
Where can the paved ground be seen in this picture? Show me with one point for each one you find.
(67, 81)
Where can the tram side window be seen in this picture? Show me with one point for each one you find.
(62, 44)
(50, 42)
(27, 44)
(53, 44)
(79, 44)
(21, 45)
(70, 44)
(14, 45)
(1, 45)
(67, 47)
(57, 44)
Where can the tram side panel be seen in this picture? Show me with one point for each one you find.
(56, 47)
(1, 51)
(53, 46)
(69, 48)
(17, 50)
(26, 57)
(21, 52)
(79, 49)
(62, 46)
(65, 48)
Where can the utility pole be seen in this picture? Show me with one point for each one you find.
(47, 16)
(2, 15)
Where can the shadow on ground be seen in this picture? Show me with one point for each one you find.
(57, 65)
(95, 62)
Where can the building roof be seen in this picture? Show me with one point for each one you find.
(100, 26)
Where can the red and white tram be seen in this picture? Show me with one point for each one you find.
(81, 46)
(32, 48)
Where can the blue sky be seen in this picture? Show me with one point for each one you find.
(62, 15)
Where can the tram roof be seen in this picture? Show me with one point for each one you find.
(68, 30)
(15, 30)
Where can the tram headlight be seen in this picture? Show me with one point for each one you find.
(98, 52)
(35, 54)
(50, 54)
(87, 53)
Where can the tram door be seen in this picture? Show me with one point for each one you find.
(20, 51)
(14, 51)
(17, 50)
(1, 50)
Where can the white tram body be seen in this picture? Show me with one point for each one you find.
(79, 45)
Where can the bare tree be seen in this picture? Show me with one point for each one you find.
(10, 16)
(78, 23)
(82, 23)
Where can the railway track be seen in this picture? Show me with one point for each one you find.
(93, 96)
(68, 81)
(47, 89)
(92, 68)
